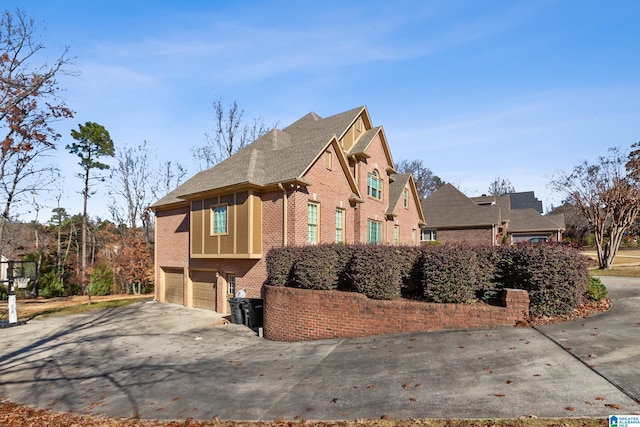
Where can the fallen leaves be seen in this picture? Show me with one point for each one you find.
(613, 405)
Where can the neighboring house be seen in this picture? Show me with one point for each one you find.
(453, 217)
(315, 181)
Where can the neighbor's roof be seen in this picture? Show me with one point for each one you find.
(448, 207)
(525, 220)
(278, 156)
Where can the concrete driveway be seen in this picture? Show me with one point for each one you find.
(159, 361)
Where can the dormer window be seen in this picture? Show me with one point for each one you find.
(374, 185)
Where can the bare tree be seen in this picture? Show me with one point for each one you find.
(168, 176)
(607, 196)
(130, 181)
(229, 135)
(28, 107)
(426, 181)
(501, 186)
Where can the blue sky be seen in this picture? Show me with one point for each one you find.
(474, 89)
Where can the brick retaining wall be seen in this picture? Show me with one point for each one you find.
(292, 314)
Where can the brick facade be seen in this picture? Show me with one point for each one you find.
(171, 244)
(332, 180)
(301, 315)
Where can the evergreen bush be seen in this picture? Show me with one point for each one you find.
(50, 285)
(597, 290)
(377, 271)
(316, 267)
(448, 273)
(556, 277)
(101, 281)
(280, 263)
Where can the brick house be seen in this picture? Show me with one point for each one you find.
(319, 180)
(511, 218)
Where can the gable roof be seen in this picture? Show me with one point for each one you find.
(396, 189)
(261, 163)
(448, 207)
(529, 220)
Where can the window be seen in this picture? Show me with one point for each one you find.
(374, 185)
(219, 219)
(231, 284)
(396, 234)
(312, 222)
(374, 231)
(339, 225)
(428, 235)
(405, 196)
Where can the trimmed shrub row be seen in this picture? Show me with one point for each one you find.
(556, 277)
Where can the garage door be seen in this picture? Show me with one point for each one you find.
(174, 285)
(204, 289)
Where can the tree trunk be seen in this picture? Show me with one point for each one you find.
(83, 277)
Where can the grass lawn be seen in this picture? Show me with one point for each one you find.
(40, 307)
(625, 264)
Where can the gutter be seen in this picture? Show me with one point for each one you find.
(284, 214)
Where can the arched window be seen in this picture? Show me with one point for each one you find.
(374, 185)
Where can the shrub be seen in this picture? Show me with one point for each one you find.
(101, 281)
(377, 271)
(597, 291)
(280, 263)
(448, 273)
(555, 277)
(50, 285)
(486, 272)
(316, 268)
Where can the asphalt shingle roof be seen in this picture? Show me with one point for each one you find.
(448, 207)
(277, 156)
(521, 220)
(396, 188)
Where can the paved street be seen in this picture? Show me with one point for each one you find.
(160, 361)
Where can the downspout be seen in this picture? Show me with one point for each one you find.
(284, 214)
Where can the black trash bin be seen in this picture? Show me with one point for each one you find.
(253, 312)
(237, 313)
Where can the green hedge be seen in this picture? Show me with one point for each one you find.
(556, 277)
